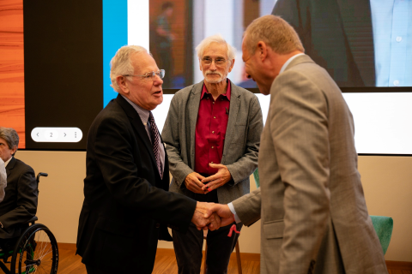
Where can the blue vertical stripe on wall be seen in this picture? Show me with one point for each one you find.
(114, 37)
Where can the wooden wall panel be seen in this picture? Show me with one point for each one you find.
(12, 67)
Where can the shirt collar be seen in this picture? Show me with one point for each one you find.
(8, 161)
(288, 62)
(227, 94)
(143, 113)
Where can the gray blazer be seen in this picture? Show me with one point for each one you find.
(240, 152)
(311, 202)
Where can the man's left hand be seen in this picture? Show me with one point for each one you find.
(221, 177)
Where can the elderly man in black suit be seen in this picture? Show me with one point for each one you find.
(127, 204)
(20, 200)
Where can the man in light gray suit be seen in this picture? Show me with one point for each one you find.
(212, 135)
(310, 201)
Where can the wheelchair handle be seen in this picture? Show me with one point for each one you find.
(41, 174)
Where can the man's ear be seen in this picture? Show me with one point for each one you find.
(121, 82)
(232, 64)
(13, 150)
(262, 50)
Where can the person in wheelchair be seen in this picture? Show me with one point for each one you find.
(20, 200)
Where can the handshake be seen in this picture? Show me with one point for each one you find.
(212, 216)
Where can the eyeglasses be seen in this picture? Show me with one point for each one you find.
(161, 73)
(218, 61)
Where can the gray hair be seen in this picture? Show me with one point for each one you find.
(217, 38)
(275, 32)
(10, 136)
(121, 63)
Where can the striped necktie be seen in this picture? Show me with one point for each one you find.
(154, 134)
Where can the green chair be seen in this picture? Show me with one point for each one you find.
(383, 225)
(256, 176)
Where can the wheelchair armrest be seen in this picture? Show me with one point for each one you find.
(33, 219)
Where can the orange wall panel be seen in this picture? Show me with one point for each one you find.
(12, 67)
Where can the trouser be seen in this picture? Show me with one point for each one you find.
(8, 244)
(188, 246)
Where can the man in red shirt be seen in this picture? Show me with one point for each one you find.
(212, 135)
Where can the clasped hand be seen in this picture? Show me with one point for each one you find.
(212, 216)
(202, 185)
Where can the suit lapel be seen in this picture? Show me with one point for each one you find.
(193, 110)
(137, 125)
(357, 25)
(233, 114)
(10, 166)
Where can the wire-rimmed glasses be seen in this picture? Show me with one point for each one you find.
(161, 73)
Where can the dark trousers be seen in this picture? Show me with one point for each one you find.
(8, 244)
(188, 246)
(188, 249)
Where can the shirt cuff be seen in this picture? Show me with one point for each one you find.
(232, 208)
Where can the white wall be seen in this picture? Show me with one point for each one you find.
(387, 184)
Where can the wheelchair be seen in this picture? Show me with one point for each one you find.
(36, 250)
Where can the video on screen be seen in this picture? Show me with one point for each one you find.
(360, 43)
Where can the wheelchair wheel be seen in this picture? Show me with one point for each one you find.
(36, 252)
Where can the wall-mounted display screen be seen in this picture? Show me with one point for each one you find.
(56, 74)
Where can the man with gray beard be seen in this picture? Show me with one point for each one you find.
(212, 135)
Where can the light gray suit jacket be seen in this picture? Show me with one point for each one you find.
(241, 146)
(311, 202)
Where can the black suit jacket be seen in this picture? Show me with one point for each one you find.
(126, 202)
(337, 35)
(20, 202)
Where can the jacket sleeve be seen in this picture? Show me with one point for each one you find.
(248, 207)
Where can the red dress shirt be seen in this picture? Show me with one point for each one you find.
(211, 130)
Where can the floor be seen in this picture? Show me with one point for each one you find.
(166, 263)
